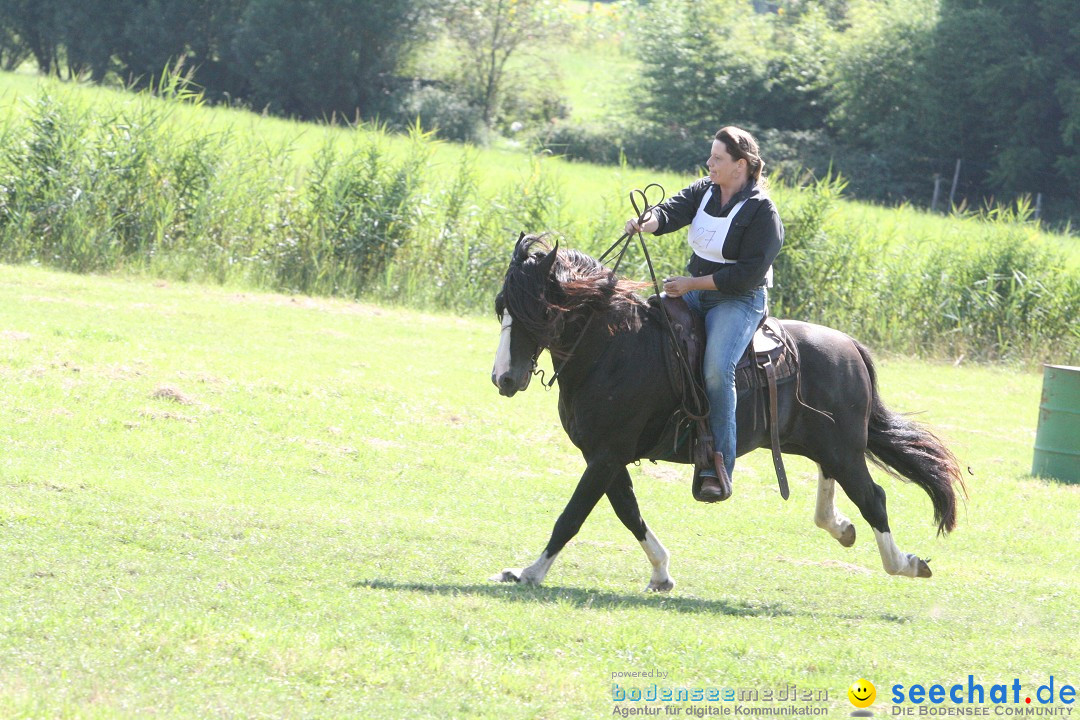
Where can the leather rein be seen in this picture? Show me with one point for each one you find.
(695, 402)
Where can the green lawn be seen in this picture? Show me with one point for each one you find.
(219, 503)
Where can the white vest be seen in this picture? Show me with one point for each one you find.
(707, 234)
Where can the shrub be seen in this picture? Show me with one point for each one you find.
(449, 114)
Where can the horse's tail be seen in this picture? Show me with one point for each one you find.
(909, 451)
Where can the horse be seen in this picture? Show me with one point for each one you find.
(615, 400)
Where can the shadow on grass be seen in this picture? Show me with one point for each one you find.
(579, 598)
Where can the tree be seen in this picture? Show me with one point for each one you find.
(91, 33)
(713, 62)
(33, 22)
(158, 33)
(487, 33)
(1060, 23)
(1004, 92)
(311, 58)
(694, 71)
(13, 51)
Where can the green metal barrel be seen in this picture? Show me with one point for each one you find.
(1057, 441)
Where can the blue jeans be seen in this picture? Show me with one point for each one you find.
(730, 322)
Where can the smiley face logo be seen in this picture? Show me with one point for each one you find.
(862, 693)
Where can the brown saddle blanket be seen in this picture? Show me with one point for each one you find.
(770, 350)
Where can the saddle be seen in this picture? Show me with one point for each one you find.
(769, 360)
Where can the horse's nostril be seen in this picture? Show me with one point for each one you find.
(506, 382)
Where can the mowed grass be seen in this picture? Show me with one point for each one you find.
(218, 503)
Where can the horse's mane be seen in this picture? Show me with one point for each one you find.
(580, 283)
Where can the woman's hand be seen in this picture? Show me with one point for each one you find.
(650, 224)
(679, 286)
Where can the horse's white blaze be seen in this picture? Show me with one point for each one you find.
(658, 557)
(826, 515)
(502, 355)
(535, 573)
(896, 562)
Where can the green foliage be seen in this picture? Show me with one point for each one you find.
(311, 58)
(139, 186)
(1003, 298)
(876, 72)
(694, 69)
(30, 28)
(889, 92)
(13, 51)
(987, 82)
(716, 62)
(486, 35)
(486, 73)
(356, 213)
(441, 109)
(159, 33)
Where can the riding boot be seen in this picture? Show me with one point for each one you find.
(715, 488)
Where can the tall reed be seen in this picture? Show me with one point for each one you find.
(135, 185)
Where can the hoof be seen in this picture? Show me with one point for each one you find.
(847, 538)
(924, 569)
(665, 586)
(507, 576)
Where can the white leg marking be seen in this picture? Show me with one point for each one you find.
(658, 555)
(826, 515)
(535, 573)
(895, 561)
(502, 355)
(532, 575)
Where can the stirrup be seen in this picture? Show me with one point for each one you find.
(707, 487)
(714, 486)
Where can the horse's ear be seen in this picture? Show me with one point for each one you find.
(521, 236)
(521, 252)
(548, 261)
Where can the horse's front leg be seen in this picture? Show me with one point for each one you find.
(621, 495)
(592, 485)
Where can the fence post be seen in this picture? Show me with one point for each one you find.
(955, 180)
(937, 192)
(1038, 206)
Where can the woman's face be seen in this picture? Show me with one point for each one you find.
(723, 170)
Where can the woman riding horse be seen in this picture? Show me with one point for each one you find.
(735, 234)
(616, 399)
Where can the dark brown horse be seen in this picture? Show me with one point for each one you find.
(615, 400)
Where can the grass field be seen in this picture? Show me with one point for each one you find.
(218, 503)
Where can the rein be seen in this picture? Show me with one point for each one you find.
(625, 239)
(695, 401)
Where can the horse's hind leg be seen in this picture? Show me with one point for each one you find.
(621, 495)
(826, 515)
(870, 499)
